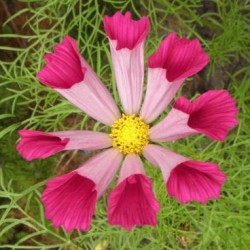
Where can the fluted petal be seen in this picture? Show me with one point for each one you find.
(195, 181)
(174, 61)
(69, 201)
(186, 180)
(132, 202)
(126, 38)
(40, 145)
(69, 74)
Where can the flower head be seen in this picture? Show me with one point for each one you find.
(70, 199)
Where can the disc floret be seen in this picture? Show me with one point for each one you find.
(129, 134)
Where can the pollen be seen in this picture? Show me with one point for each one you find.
(129, 134)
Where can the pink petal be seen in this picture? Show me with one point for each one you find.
(185, 179)
(163, 158)
(131, 165)
(212, 113)
(132, 202)
(102, 168)
(69, 201)
(129, 73)
(87, 92)
(127, 32)
(179, 56)
(63, 68)
(39, 145)
(92, 97)
(195, 181)
(85, 140)
(173, 127)
(127, 39)
(159, 94)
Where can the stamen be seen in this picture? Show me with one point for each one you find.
(129, 134)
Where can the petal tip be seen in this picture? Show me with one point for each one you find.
(127, 32)
(39, 145)
(195, 181)
(132, 203)
(69, 201)
(63, 66)
(213, 113)
(180, 57)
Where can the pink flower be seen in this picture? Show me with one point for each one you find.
(70, 199)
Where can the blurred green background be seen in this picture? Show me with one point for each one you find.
(30, 28)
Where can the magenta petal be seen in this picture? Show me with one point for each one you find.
(133, 203)
(63, 67)
(195, 181)
(127, 32)
(212, 113)
(180, 57)
(69, 201)
(39, 145)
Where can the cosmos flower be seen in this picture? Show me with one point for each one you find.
(70, 199)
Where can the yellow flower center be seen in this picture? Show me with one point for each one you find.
(129, 134)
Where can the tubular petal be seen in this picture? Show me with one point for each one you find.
(63, 67)
(126, 38)
(39, 145)
(132, 202)
(132, 164)
(212, 113)
(69, 201)
(195, 181)
(85, 140)
(179, 56)
(129, 73)
(93, 98)
(159, 94)
(127, 32)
